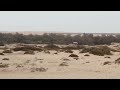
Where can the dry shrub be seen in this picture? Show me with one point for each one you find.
(19, 66)
(117, 61)
(65, 59)
(4, 65)
(51, 47)
(26, 48)
(114, 50)
(107, 57)
(86, 55)
(5, 59)
(73, 55)
(27, 61)
(87, 62)
(7, 51)
(1, 44)
(76, 58)
(73, 47)
(64, 64)
(68, 51)
(29, 52)
(1, 54)
(107, 62)
(41, 69)
(61, 50)
(55, 53)
(100, 51)
(46, 51)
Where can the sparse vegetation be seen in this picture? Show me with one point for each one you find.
(86, 55)
(29, 52)
(76, 58)
(5, 59)
(41, 69)
(65, 59)
(73, 55)
(107, 57)
(100, 51)
(1, 44)
(55, 53)
(46, 51)
(26, 48)
(117, 61)
(107, 63)
(19, 66)
(68, 51)
(64, 64)
(7, 51)
(1, 54)
(51, 47)
(4, 65)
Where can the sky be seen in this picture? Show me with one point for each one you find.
(61, 21)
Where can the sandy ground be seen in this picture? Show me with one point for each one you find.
(86, 67)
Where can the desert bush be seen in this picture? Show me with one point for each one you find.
(68, 51)
(76, 58)
(29, 52)
(5, 59)
(101, 51)
(107, 62)
(87, 62)
(61, 50)
(7, 51)
(86, 50)
(27, 61)
(107, 57)
(86, 55)
(1, 44)
(117, 61)
(1, 54)
(4, 65)
(65, 59)
(19, 66)
(51, 47)
(46, 51)
(73, 47)
(73, 55)
(41, 69)
(26, 48)
(64, 64)
(55, 53)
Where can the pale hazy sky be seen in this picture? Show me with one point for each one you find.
(67, 21)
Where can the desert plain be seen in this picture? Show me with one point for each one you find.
(57, 64)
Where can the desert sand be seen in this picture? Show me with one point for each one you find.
(22, 66)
